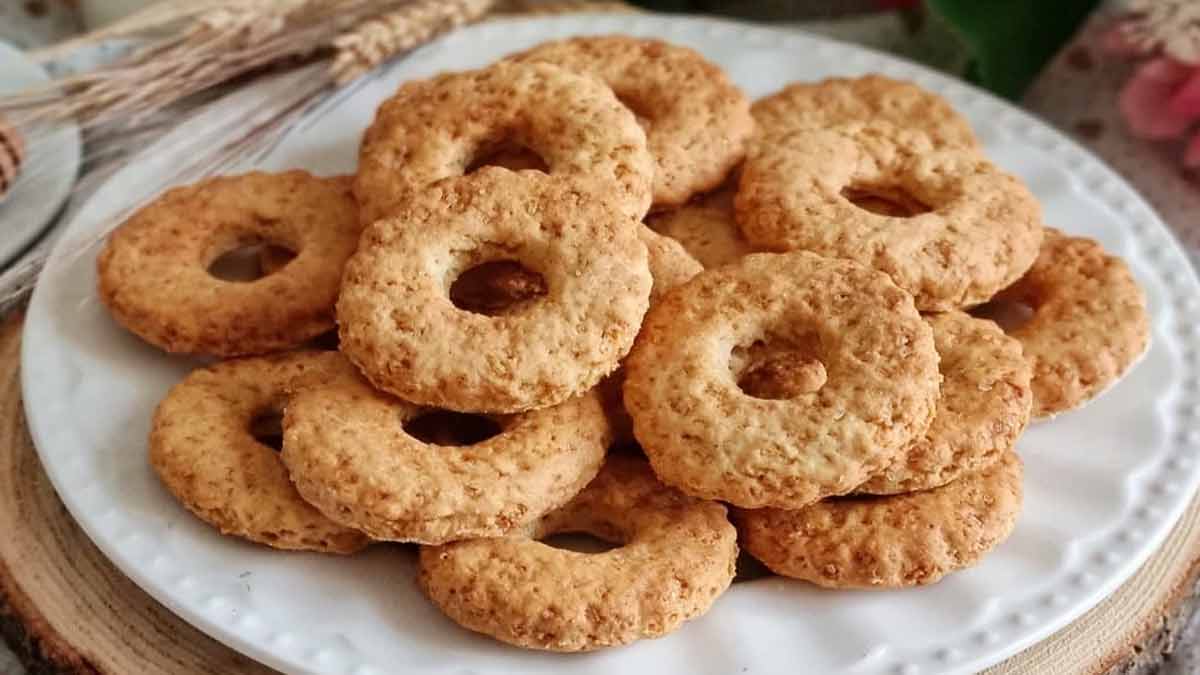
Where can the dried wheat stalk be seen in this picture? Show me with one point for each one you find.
(212, 42)
(371, 43)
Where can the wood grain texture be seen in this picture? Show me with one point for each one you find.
(63, 607)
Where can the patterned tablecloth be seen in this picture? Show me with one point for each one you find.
(1076, 92)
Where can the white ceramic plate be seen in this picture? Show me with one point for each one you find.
(1103, 487)
(51, 164)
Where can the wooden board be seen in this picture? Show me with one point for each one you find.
(65, 609)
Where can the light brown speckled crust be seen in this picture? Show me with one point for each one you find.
(670, 264)
(697, 121)
(983, 408)
(202, 448)
(153, 272)
(1089, 322)
(909, 539)
(677, 556)
(433, 129)
(397, 323)
(707, 437)
(706, 228)
(349, 455)
(981, 233)
(838, 100)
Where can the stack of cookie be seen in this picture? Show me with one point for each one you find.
(788, 337)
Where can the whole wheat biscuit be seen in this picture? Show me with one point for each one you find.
(697, 121)
(203, 449)
(873, 388)
(676, 556)
(154, 278)
(838, 100)
(976, 231)
(398, 324)
(983, 408)
(706, 228)
(351, 453)
(670, 266)
(434, 129)
(903, 540)
(1088, 323)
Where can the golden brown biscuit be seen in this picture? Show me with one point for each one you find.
(706, 228)
(352, 454)
(675, 556)
(903, 540)
(983, 408)
(203, 449)
(670, 266)
(697, 121)
(398, 325)
(1088, 323)
(838, 100)
(435, 129)
(975, 231)
(154, 278)
(873, 387)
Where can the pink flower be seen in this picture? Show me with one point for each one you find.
(1161, 100)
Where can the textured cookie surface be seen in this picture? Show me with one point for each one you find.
(670, 264)
(838, 100)
(873, 387)
(697, 122)
(706, 228)
(398, 324)
(202, 447)
(889, 542)
(435, 129)
(349, 454)
(1088, 324)
(154, 271)
(972, 231)
(675, 556)
(984, 406)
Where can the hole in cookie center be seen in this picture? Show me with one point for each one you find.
(778, 369)
(452, 429)
(267, 428)
(1008, 314)
(250, 262)
(508, 154)
(884, 200)
(643, 115)
(496, 288)
(579, 542)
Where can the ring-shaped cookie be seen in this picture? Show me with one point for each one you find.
(154, 278)
(908, 539)
(711, 439)
(397, 323)
(980, 232)
(349, 455)
(983, 407)
(697, 121)
(706, 228)
(676, 555)
(203, 449)
(434, 129)
(1088, 323)
(839, 100)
